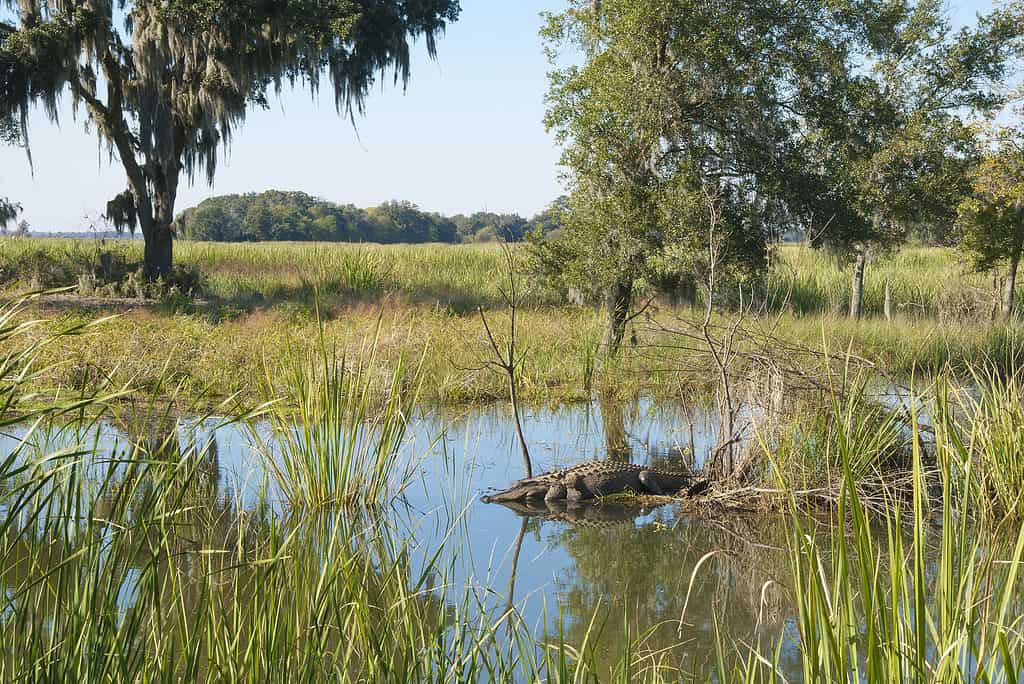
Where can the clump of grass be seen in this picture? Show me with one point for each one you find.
(892, 598)
(337, 433)
(984, 428)
(812, 450)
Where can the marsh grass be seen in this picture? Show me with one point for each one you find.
(337, 432)
(923, 589)
(924, 282)
(261, 298)
(850, 430)
(984, 424)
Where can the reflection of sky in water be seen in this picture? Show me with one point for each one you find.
(128, 592)
(8, 608)
(641, 567)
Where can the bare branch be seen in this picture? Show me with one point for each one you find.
(507, 362)
(639, 312)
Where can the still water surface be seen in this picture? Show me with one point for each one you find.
(632, 567)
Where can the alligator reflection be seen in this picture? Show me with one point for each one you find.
(584, 514)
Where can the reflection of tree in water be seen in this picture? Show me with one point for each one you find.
(613, 426)
(640, 576)
(675, 450)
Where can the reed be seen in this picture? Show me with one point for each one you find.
(985, 428)
(336, 431)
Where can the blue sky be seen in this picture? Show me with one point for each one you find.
(466, 135)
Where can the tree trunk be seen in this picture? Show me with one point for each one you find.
(888, 300)
(620, 299)
(857, 297)
(159, 253)
(1011, 285)
(514, 400)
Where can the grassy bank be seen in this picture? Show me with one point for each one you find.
(200, 357)
(258, 300)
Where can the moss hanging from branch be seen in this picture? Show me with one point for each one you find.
(8, 212)
(122, 213)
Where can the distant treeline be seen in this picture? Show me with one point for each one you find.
(278, 215)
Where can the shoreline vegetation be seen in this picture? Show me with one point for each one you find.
(250, 303)
(131, 565)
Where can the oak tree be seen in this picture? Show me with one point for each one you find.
(165, 83)
(991, 219)
(888, 142)
(667, 104)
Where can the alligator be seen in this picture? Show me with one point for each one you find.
(596, 479)
(580, 514)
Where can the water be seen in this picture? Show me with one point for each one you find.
(627, 566)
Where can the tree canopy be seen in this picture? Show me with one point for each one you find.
(694, 133)
(682, 110)
(887, 144)
(165, 83)
(991, 218)
(278, 215)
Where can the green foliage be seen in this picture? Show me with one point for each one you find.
(889, 149)
(677, 130)
(278, 216)
(131, 564)
(694, 133)
(991, 219)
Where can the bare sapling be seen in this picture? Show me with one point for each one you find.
(721, 351)
(507, 358)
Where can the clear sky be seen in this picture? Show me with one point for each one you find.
(466, 135)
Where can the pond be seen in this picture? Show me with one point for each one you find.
(684, 577)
